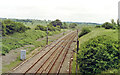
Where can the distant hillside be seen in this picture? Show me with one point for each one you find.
(34, 22)
(85, 23)
(29, 22)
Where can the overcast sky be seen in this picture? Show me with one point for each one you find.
(66, 10)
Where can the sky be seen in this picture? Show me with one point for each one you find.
(98, 11)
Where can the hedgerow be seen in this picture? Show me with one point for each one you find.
(84, 31)
(99, 54)
(10, 27)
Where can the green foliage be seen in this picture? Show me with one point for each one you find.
(72, 25)
(99, 54)
(113, 22)
(108, 25)
(85, 30)
(57, 22)
(111, 25)
(20, 39)
(97, 26)
(10, 27)
(44, 28)
(51, 28)
(29, 37)
(40, 27)
(64, 26)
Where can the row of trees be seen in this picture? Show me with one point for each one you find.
(44, 28)
(55, 25)
(57, 22)
(10, 27)
(112, 25)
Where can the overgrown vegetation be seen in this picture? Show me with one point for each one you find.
(112, 25)
(97, 26)
(99, 54)
(10, 27)
(72, 25)
(53, 26)
(15, 35)
(40, 27)
(56, 23)
(85, 30)
(20, 39)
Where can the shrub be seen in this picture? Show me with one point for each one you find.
(98, 54)
(50, 28)
(108, 25)
(55, 23)
(73, 25)
(10, 27)
(40, 27)
(84, 31)
(98, 26)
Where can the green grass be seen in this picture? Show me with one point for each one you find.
(11, 65)
(98, 32)
(74, 64)
(94, 33)
(29, 37)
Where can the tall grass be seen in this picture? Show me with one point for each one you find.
(29, 37)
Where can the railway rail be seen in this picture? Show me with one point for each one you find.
(51, 59)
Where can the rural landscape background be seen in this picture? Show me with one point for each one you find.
(98, 39)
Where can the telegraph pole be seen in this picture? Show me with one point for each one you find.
(47, 37)
(63, 28)
(77, 53)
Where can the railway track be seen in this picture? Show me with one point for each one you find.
(49, 60)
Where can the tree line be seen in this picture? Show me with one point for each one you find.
(10, 27)
(110, 25)
(55, 25)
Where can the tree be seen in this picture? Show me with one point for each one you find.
(73, 25)
(40, 27)
(107, 25)
(113, 22)
(10, 27)
(3, 29)
(57, 22)
(64, 26)
(118, 23)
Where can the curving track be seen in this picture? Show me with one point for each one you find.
(51, 59)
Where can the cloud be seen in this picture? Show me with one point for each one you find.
(66, 10)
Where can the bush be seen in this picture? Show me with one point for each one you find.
(98, 54)
(40, 27)
(98, 26)
(73, 25)
(5, 49)
(55, 23)
(50, 28)
(84, 31)
(10, 27)
(108, 25)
